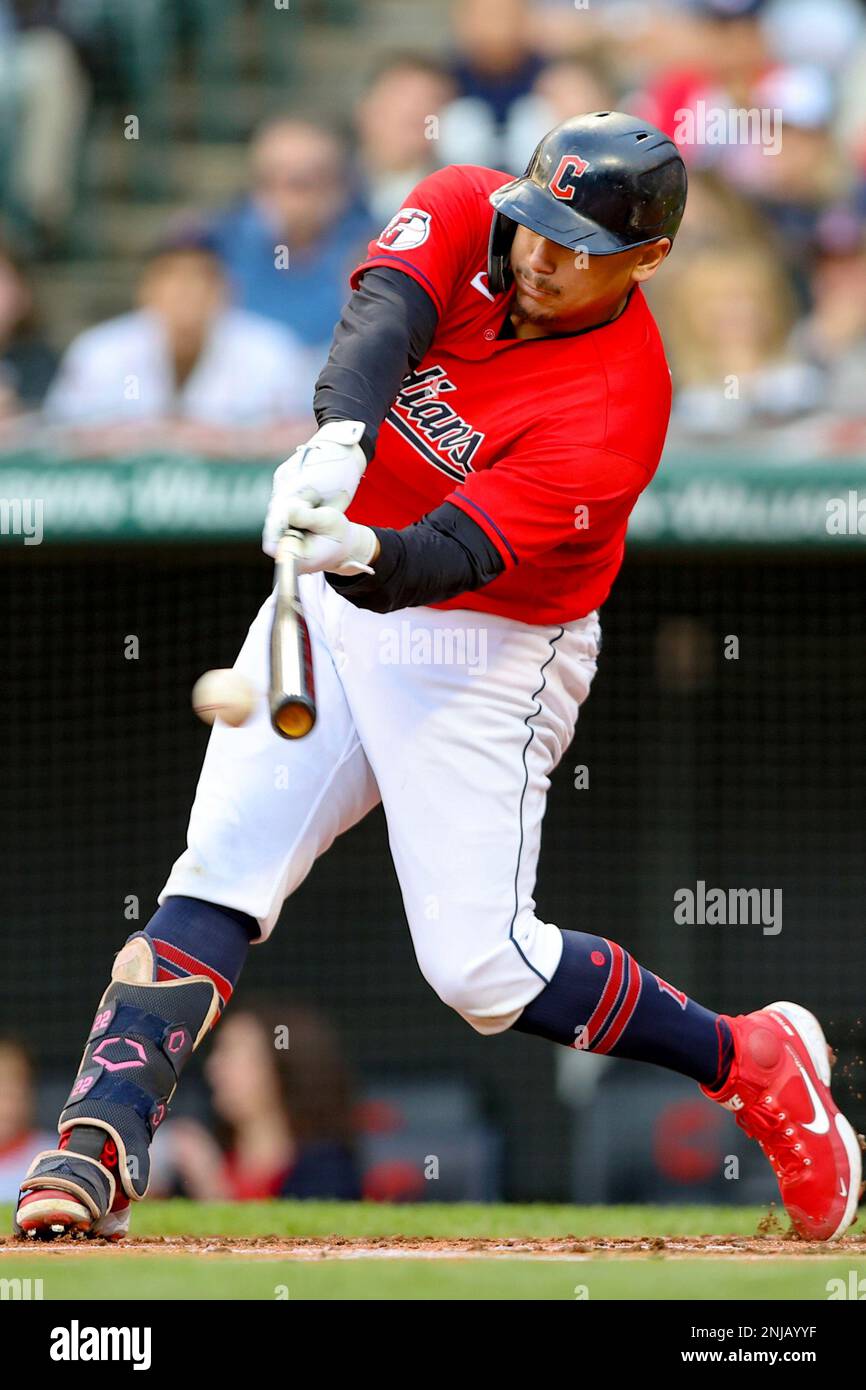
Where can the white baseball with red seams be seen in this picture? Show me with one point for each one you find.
(223, 694)
(454, 720)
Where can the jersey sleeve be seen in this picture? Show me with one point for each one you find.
(441, 227)
(547, 494)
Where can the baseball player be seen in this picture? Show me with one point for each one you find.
(495, 401)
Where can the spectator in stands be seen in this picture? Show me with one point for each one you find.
(397, 125)
(496, 61)
(564, 88)
(802, 184)
(44, 100)
(184, 369)
(128, 48)
(851, 120)
(713, 52)
(833, 335)
(562, 26)
(716, 212)
(648, 43)
(706, 64)
(20, 1138)
(27, 363)
(799, 31)
(727, 321)
(280, 1091)
(289, 245)
(495, 64)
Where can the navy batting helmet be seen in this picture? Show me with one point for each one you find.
(604, 182)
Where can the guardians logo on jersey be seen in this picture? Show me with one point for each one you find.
(431, 425)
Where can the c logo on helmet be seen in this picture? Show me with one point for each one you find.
(564, 181)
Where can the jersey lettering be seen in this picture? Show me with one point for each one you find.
(431, 426)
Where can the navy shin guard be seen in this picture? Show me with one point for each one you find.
(143, 1033)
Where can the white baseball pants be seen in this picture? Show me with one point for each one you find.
(454, 720)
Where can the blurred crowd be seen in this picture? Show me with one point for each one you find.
(274, 1110)
(275, 1116)
(763, 306)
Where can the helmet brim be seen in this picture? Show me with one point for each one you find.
(524, 201)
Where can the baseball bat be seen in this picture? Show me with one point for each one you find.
(291, 689)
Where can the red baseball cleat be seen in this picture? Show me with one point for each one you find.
(67, 1193)
(48, 1212)
(779, 1091)
(51, 1212)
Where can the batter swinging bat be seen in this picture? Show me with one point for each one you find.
(291, 690)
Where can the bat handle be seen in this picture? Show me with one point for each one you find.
(289, 545)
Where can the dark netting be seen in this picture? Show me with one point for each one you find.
(742, 773)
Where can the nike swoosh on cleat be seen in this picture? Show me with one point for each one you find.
(820, 1122)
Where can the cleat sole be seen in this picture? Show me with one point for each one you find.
(48, 1214)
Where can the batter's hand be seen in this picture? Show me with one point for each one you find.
(330, 540)
(331, 464)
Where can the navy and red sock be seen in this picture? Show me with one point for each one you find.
(193, 937)
(601, 1000)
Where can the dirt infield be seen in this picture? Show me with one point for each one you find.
(769, 1246)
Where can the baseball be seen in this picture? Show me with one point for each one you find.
(224, 694)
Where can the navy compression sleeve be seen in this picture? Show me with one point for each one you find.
(386, 328)
(442, 555)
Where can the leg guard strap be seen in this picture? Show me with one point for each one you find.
(142, 1035)
(86, 1179)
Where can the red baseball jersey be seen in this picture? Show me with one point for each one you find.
(546, 443)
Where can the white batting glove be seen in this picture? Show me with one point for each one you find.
(330, 540)
(330, 464)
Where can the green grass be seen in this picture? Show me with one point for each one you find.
(109, 1273)
(278, 1218)
(232, 1277)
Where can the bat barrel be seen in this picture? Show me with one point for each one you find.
(293, 717)
(291, 694)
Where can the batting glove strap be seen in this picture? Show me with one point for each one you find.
(345, 432)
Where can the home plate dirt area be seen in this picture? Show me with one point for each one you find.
(431, 1247)
(364, 1251)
